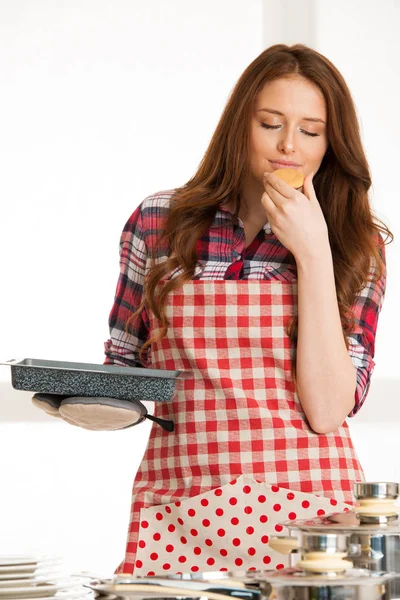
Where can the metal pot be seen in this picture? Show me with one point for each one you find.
(314, 545)
(374, 539)
(354, 585)
(379, 548)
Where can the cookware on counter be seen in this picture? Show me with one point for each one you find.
(288, 584)
(371, 530)
(352, 555)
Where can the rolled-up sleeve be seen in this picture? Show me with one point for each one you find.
(126, 339)
(362, 340)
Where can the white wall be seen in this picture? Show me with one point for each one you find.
(102, 104)
(361, 39)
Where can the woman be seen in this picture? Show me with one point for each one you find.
(270, 297)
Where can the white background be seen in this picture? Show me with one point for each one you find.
(103, 103)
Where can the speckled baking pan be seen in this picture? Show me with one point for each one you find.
(84, 379)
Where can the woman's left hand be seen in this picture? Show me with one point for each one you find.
(296, 218)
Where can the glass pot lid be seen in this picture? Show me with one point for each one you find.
(353, 577)
(345, 522)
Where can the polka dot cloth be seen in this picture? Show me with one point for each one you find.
(224, 529)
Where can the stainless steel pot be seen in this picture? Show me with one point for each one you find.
(374, 540)
(376, 489)
(354, 585)
(318, 544)
(328, 543)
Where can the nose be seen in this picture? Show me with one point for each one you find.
(286, 144)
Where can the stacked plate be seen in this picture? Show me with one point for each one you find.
(41, 578)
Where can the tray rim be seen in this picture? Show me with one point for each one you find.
(70, 366)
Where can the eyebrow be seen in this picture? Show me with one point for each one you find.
(276, 112)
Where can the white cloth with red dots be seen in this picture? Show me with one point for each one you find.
(223, 529)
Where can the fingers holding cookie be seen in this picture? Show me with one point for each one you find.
(281, 185)
(292, 177)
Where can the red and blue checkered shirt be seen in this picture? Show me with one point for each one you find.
(222, 254)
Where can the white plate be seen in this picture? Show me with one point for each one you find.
(9, 561)
(68, 595)
(42, 590)
(12, 583)
(17, 560)
(77, 596)
(13, 576)
(52, 577)
(30, 568)
(20, 569)
(38, 575)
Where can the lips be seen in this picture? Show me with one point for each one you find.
(284, 165)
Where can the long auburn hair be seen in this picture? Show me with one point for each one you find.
(341, 184)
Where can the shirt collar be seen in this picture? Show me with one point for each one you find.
(222, 207)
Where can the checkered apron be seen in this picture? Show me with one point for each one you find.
(242, 458)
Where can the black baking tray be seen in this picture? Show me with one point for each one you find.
(86, 379)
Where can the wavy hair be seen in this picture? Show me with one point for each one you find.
(341, 184)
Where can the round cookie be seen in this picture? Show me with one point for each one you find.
(284, 544)
(324, 556)
(292, 177)
(325, 566)
(374, 510)
(372, 507)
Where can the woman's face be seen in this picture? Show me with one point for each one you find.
(288, 127)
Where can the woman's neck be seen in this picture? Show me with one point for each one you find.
(251, 210)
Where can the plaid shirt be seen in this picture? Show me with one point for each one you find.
(222, 254)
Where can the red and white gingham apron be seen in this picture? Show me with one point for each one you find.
(242, 457)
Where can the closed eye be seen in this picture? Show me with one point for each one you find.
(278, 126)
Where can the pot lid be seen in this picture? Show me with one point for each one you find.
(295, 577)
(344, 522)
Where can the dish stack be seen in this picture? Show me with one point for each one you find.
(41, 578)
